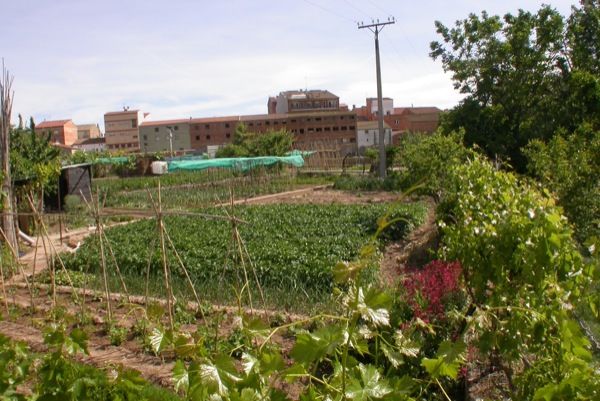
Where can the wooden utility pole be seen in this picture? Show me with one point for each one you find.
(8, 218)
(376, 27)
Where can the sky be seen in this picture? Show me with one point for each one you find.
(176, 59)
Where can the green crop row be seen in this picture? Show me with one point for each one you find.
(291, 247)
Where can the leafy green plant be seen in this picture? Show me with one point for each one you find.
(117, 334)
(295, 251)
(569, 166)
(524, 275)
(14, 368)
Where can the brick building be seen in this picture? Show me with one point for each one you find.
(400, 119)
(301, 101)
(308, 127)
(62, 132)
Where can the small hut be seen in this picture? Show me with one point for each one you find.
(74, 180)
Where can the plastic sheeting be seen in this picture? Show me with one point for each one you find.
(238, 163)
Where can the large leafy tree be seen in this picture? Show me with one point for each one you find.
(32, 157)
(251, 144)
(525, 76)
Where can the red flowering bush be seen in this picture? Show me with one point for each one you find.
(434, 290)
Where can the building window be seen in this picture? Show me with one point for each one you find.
(291, 121)
(227, 135)
(176, 128)
(226, 125)
(197, 137)
(267, 122)
(145, 137)
(352, 127)
(327, 129)
(155, 129)
(207, 126)
(302, 130)
(250, 124)
(207, 137)
(336, 128)
(352, 140)
(133, 123)
(319, 129)
(196, 127)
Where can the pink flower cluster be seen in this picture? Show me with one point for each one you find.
(429, 289)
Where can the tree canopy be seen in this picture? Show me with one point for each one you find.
(525, 76)
(32, 157)
(251, 144)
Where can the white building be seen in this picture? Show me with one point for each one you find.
(367, 134)
(91, 144)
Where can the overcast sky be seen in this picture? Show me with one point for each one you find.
(78, 59)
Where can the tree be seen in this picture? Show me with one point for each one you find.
(254, 144)
(33, 157)
(525, 76)
(569, 165)
(8, 218)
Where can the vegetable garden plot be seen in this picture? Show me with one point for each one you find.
(292, 247)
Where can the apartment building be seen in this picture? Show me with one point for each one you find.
(170, 136)
(122, 129)
(62, 132)
(309, 128)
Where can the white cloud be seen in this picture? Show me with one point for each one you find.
(183, 58)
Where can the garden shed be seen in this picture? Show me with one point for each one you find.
(74, 180)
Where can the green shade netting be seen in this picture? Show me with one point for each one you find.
(112, 160)
(238, 163)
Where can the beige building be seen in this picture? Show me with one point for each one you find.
(86, 131)
(122, 130)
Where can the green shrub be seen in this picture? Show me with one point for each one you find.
(570, 166)
(428, 159)
(524, 277)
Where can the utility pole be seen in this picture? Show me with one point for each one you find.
(170, 136)
(376, 27)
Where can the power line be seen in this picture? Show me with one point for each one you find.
(329, 11)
